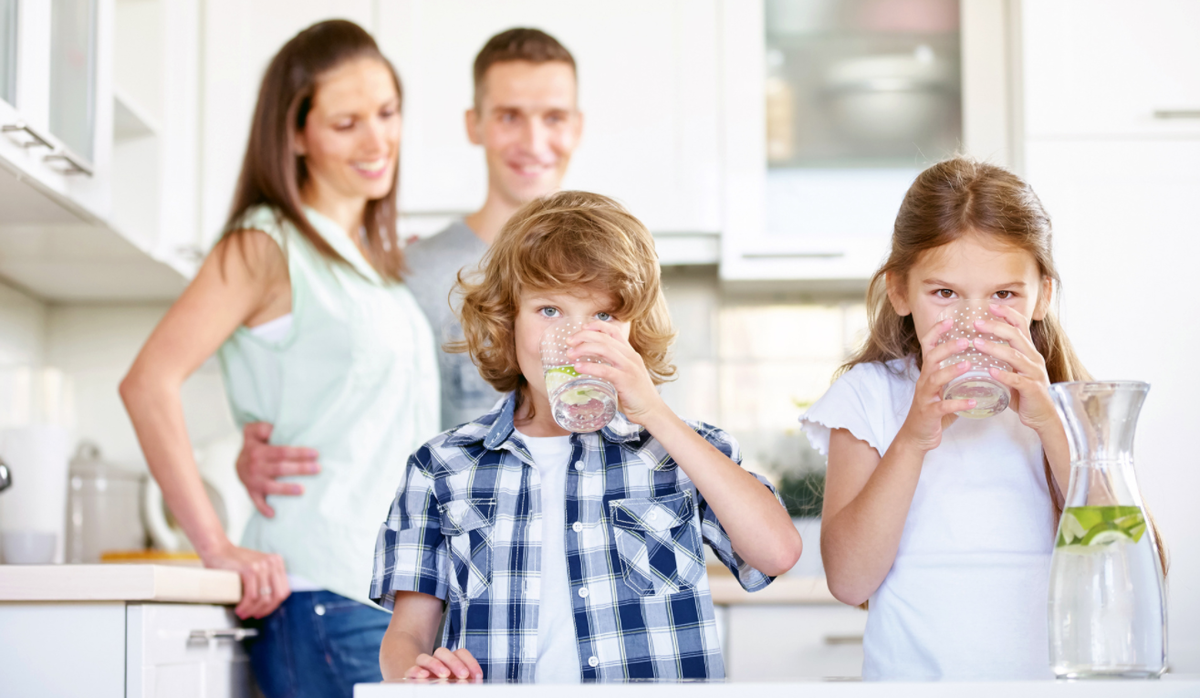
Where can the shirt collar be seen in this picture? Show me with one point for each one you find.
(341, 243)
(496, 427)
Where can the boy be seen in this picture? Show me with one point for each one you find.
(568, 557)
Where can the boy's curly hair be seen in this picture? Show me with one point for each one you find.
(569, 241)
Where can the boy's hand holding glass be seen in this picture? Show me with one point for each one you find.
(1027, 375)
(579, 402)
(621, 366)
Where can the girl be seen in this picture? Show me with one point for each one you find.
(302, 300)
(945, 524)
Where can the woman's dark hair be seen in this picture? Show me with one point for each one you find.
(274, 174)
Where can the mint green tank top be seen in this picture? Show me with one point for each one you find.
(354, 378)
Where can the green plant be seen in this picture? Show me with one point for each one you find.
(803, 493)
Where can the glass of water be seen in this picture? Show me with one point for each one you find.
(991, 396)
(578, 402)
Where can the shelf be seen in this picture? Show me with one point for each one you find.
(129, 119)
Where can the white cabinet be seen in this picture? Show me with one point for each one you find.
(57, 110)
(829, 225)
(184, 651)
(1105, 68)
(780, 643)
(120, 650)
(648, 86)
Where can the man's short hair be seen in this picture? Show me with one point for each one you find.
(518, 44)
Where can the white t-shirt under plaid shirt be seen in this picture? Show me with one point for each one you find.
(466, 525)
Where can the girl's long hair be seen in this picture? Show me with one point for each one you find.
(952, 199)
(274, 174)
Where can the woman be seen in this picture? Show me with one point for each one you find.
(302, 300)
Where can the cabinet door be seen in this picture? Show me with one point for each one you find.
(1126, 243)
(647, 86)
(1105, 67)
(165, 661)
(782, 643)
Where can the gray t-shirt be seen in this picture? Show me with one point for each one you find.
(433, 265)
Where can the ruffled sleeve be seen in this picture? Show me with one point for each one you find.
(860, 402)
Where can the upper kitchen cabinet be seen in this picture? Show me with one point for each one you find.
(831, 108)
(1105, 68)
(648, 87)
(97, 107)
(155, 135)
(55, 108)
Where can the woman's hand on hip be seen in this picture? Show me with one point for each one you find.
(930, 414)
(260, 464)
(264, 578)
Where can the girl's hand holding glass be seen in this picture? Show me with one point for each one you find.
(1028, 379)
(930, 413)
(621, 365)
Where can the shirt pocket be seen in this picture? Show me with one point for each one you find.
(469, 524)
(658, 542)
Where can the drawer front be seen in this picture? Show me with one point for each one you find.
(166, 656)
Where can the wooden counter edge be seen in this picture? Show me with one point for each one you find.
(785, 590)
(163, 583)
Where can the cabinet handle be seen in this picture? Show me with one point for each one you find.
(843, 639)
(235, 634)
(792, 255)
(1177, 113)
(36, 140)
(74, 164)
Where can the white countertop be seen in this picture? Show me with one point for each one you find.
(118, 583)
(1170, 686)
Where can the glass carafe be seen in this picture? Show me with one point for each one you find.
(1107, 604)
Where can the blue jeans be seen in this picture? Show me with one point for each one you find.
(317, 644)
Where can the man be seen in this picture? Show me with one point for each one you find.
(526, 118)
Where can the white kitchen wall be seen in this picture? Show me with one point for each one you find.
(63, 363)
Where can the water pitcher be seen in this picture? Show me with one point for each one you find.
(1107, 605)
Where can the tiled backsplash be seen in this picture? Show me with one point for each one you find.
(751, 363)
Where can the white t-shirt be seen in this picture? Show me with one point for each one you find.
(966, 597)
(558, 653)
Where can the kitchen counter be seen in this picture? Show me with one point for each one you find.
(163, 583)
(1170, 686)
(785, 590)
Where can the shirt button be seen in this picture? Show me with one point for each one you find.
(583, 594)
(577, 527)
(592, 661)
(319, 609)
(579, 465)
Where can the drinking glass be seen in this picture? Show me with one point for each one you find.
(578, 402)
(991, 396)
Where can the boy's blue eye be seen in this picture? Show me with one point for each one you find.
(548, 311)
(603, 317)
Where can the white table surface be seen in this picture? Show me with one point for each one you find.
(173, 583)
(1171, 685)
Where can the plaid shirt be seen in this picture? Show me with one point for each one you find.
(466, 526)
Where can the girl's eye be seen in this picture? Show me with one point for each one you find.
(603, 317)
(548, 311)
(944, 293)
(1004, 295)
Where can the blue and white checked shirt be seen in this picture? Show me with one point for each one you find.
(466, 527)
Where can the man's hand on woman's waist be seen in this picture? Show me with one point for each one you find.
(260, 463)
